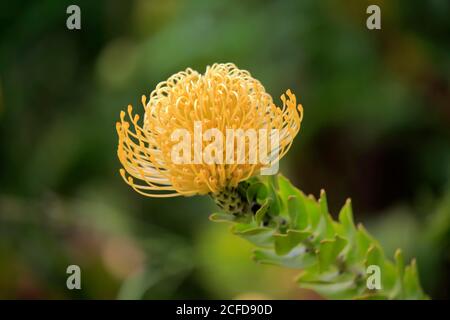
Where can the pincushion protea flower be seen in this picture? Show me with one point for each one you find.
(224, 97)
(289, 228)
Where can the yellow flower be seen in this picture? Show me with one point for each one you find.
(223, 98)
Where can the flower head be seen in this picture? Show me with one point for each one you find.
(224, 98)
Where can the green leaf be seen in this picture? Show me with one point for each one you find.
(399, 270)
(372, 296)
(323, 203)
(325, 228)
(292, 199)
(362, 243)
(259, 236)
(286, 188)
(399, 262)
(284, 243)
(296, 259)
(259, 216)
(222, 217)
(313, 211)
(257, 191)
(412, 287)
(297, 212)
(388, 275)
(346, 219)
(328, 251)
(276, 205)
(374, 256)
(333, 290)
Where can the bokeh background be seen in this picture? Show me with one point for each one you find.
(376, 129)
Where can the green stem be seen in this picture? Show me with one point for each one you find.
(337, 259)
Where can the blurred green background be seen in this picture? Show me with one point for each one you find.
(376, 128)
